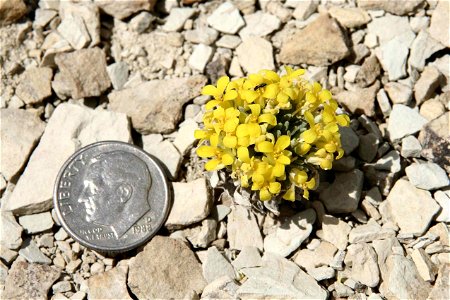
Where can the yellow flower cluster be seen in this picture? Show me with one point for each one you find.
(271, 131)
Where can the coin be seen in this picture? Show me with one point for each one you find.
(111, 196)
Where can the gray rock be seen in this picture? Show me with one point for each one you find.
(349, 17)
(243, 229)
(349, 139)
(422, 48)
(344, 164)
(200, 57)
(254, 54)
(122, 10)
(291, 233)
(221, 288)
(369, 71)
(304, 9)
(338, 260)
(322, 43)
(61, 287)
(335, 231)
(322, 273)
(427, 176)
(389, 162)
(21, 131)
(411, 147)
(343, 195)
(219, 212)
(226, 18)
(369, 232)
(321, 256)
(363, 261)
(175, 273)
(400, 8)
(216, 266)
(11, 232)
(249, 257)
(177, 18)
(165, 151)
(156, 106)
(118, 73)
(229, 41)
(32, 254)
(279, 278)
(368, 147)
(259, 24)
(7, 255)
(205, 35)
(191, 204)
(111, 284)
(69, 128)
(443, 199)
(388, 27)
(202, 235)
(399, 93)
(29, 281)
(360, 100)
(35, 85)
(37, 222)
(141, 22)
(383, 102)
(426, 85)
(439, 23)
(73, 30)
(343, 290)
(83, 72)
(404, 121)
(411, 208)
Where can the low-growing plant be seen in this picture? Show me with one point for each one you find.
(271, 132)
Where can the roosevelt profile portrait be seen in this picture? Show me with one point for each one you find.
(115, 190)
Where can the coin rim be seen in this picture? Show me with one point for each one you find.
(160, 170)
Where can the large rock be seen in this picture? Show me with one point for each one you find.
(35, 85)
(254, 54)
(442, 284)
(439, 23)
(343, 195)
(216, 266)
(360, 100)
(369, 232)
(226, 18)
(388, 27)
(83, 72)
(29, 281)
(427, 176)
(291, 233)
(363, 261)
(323, 42)
(20, 132)
(166, 268)
(156, 106)
(422, 48)
(411, 208)
(109, 285)
(124, 9)
(191, 203)
(165, 151)
(319, 257)
(428, 82)
(259, 24)
(399, 7)
(69, 128)
(279, 278)
(335, 231)
(404, 121)
(350, 17)
(11, 232)
(11, 11)
(243, 229)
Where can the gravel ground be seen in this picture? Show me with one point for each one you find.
(76, 72)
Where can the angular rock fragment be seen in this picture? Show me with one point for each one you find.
(426, 85)
(35, 85)
(11, 232)
(400, 8)
(111, 284)
(335, 231)
(349, 17)
(439, 23)
(427, 176)
(243, 229)
(360, 100)
(254, 54)
(363, 261)
(124, 9)
(404, 121)
(226, 18)
(216, 266)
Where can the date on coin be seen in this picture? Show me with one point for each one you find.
(111, 196)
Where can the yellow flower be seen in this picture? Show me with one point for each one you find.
(276, 154)
(299, 178)
(225, 119)
(223, 92)
(221, 157)
(265, 182)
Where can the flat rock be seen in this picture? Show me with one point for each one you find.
(411, 147)
(387, 27)
(29, 281)
(111, 284)
(424, 266)
(319, 257)
(363, 261)
(200, 57)
(259, 24)
(202, 235)
(191, 204)
(399, 93)
(335, 231)
(369, 232)
(291, 233)
(69, 128)
(389, 162)
(432, 109)
(73, 30)
(412, 209)
(35, 85)
(322, 42)
(37, 222)
(428, 82)
(185, 136)
(204, 35)
(304, 9)
(249, 257)
(439, 23)
(404, 121)
(243, 229)
(216, 266)
(368, 72)
(156, 106)
(173, 274)
(422, 48)
(118, 74)
(255, 54)
(360, 100)
(7, 256)
(20, 133)
(30, 251)
(221, 288)
(84, 72)
(226, 18)
(400, 8)
(443, 199)
(322, 273)
(11, 232)
(165, 151)
(177, 18)
(427, 176)
(349, 17)
(279, 278)
(343, 195)
(122, 10)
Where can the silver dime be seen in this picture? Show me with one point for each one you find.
(111, 196)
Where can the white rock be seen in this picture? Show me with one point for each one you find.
(383, 102)
(37, 222)
(226, 18)
(428, 82)
(249, 257)
(363, 261)
(73, 29)
(243, 229)
(423, 264)
(350, 17)
(200, 57)
(439, 23)
(69, 128)
(61, 235)
(427, 176)
(235, 68)
(185, 136)
(43, 17)
(229, 41)
(411, 208)
(419, 23)
(177, 18)
(141, 22)
(259, 24)
(216, 266)
(389, 162)
(443, 199)
(322, 273)
(291, 233)
(165, 151)
(203, 35)
(350, 73)
(11, 232)
(191, 203)
(255, 54)
(220, 211)
(335, 231)
(221, 288)
(399, 93)
(371, 40)
(369, 232)
(32, 254)
(404, 121)
(304, 9)
(388, 27)
(411, 147)
(321, 256)
(202, 235)
(118, 73)
(422, 48)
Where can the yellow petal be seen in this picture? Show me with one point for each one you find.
(255, 108)
(330, 147)
(306, 194)
(309, 136)
(214, 140)
(243, 154)
(230, 125)
(271, 91)
(282, 143)
(200, 134)
(327, 116)
(264, 147)
(230, 141)
(249, 95)
(332, 127)
(244, 141)
(278, 170)
(222, 84)
(242, 130)
(264, 194)
(206, 151)
(244, 181)
(227, 159)
(284, 160)
(254, 130)
(311, 184)
(303, 148)
(310, 97)
(324, 95)
(271, 75)
(343, 120)
(211, 104)
(213, 164)
(230, 95)
(290, 194)
(268, 118)
(298, 177)
(219, 113)
(275, 187)
(340, 153)
(309, 118)
(282, 97)
(326, 164)
(209, 90)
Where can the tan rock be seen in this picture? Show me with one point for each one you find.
(424, 265)
(398, 7)
(124, 9)
(349, 17)
(439, 23)
(11, 11)
(368, 72)
(335, 231)
(35, 85)
(426, 85)
(254, 54)
(360, 101)
(398, 92)
(243, 229)
(111, 284)
(442, 285)
(321, 256)
(323, 42)
(431, 109)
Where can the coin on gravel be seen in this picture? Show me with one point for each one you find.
(111, 196)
